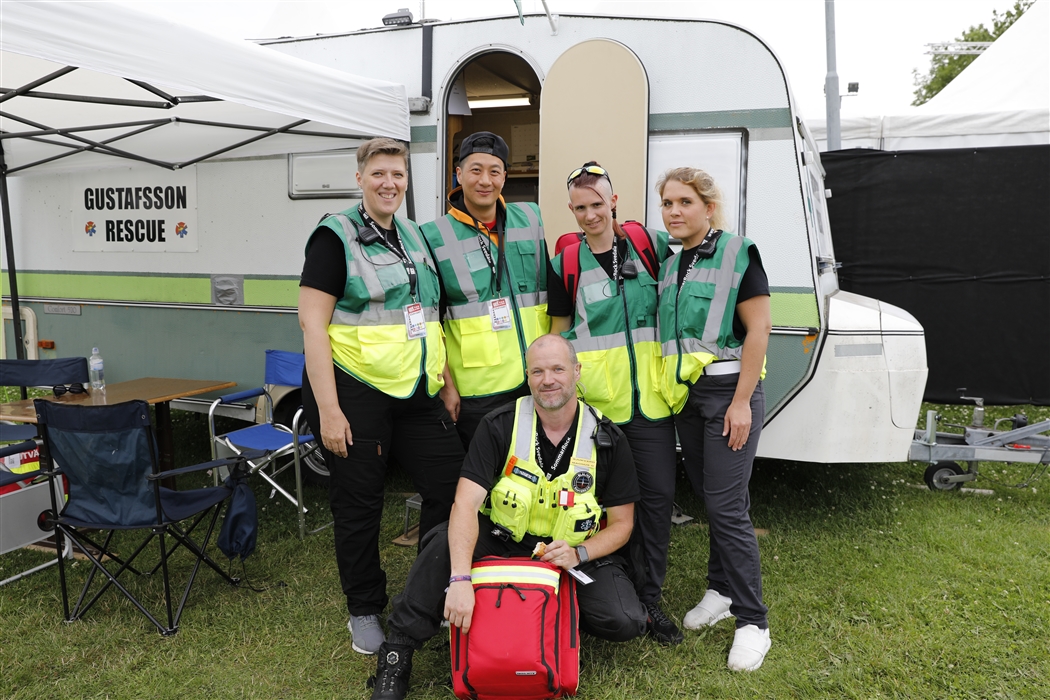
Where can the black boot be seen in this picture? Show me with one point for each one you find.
(661, 627)
(392, 672)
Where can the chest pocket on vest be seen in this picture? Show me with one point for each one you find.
(522, 261)
(594, 376)
(511, 502)
(392, 276)
(699, 299)
(382, 349)
(476, 260)
(604, 307)
(644, 307)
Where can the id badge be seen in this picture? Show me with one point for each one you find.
(415, 323)
(499, 312)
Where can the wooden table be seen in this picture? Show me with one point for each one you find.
(158, 391)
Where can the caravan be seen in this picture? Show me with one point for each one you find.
(845, 373)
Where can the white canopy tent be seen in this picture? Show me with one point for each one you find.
(1001, 99)
(94, 85)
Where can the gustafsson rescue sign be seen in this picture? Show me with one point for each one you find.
(141, 211)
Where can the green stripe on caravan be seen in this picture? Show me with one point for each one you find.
(165, 289)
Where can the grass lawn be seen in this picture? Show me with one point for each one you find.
(877, 588)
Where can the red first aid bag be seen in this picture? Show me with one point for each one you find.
(524, 639)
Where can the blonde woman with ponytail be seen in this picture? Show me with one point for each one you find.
(714, 325)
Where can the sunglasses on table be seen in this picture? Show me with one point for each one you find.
(592, 169)
(74, 388)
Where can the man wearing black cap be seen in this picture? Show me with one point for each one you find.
(492, 259)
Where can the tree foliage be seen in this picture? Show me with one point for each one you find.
(944, 69)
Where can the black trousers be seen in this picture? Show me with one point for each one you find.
(418, 433)
(653, 446)
(472, 410)
(721, 476)
(609, 607)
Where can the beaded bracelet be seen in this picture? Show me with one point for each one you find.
(462, 577)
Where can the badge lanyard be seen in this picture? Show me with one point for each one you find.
(712, 235)
(415, 320)
(499, 308)
(397, 247)
(496, 267)
(557, 460)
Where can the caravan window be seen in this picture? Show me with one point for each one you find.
(722, 153)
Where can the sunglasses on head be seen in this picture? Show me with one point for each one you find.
(592, 169)
(74, 388)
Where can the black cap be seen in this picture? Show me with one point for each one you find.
(484, 142)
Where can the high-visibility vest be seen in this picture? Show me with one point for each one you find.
(525, 501)
(368, 329)
(615, 337)
(696, 321)
(483, 361)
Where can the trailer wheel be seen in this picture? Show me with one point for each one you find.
(314, 469)
(936, 475)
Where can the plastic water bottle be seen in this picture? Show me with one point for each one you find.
(95, 371)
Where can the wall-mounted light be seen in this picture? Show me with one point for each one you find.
(493, 102)
(398, 19)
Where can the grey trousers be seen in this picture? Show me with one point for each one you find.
(721, 476)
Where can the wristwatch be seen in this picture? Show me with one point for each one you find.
(581, 554)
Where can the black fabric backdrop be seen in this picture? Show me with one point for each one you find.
(960, 239)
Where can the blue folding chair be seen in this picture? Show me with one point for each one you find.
(109, 456)
(267, 446)
(22, 510)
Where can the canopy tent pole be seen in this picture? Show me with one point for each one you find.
(9, 248)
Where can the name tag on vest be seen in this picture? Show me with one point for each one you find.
(499, 313)
(415, 322)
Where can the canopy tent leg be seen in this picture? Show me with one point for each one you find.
(9, 249)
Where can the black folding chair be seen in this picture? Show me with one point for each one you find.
(109, 456)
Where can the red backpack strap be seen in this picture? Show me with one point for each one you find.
(570, 269)
(644, 245)
(567, 239)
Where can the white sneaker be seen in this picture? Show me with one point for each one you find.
(749, 648)
(713, 608)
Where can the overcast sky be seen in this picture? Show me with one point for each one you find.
(879, 42)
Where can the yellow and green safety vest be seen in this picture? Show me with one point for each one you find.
(368, 330)
(696, 319)
(484, 361)
(614, 333)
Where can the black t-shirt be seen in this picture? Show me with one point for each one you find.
(325, 265)
(754, 283)
(616, 482)
(558, 301)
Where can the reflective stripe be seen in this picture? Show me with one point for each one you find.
(371, 317)
(524, 447)
(614, 340)
(454, 251)
(694, 345)
(509, 573)
(726, 281)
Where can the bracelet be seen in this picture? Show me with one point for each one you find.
(461, 577)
